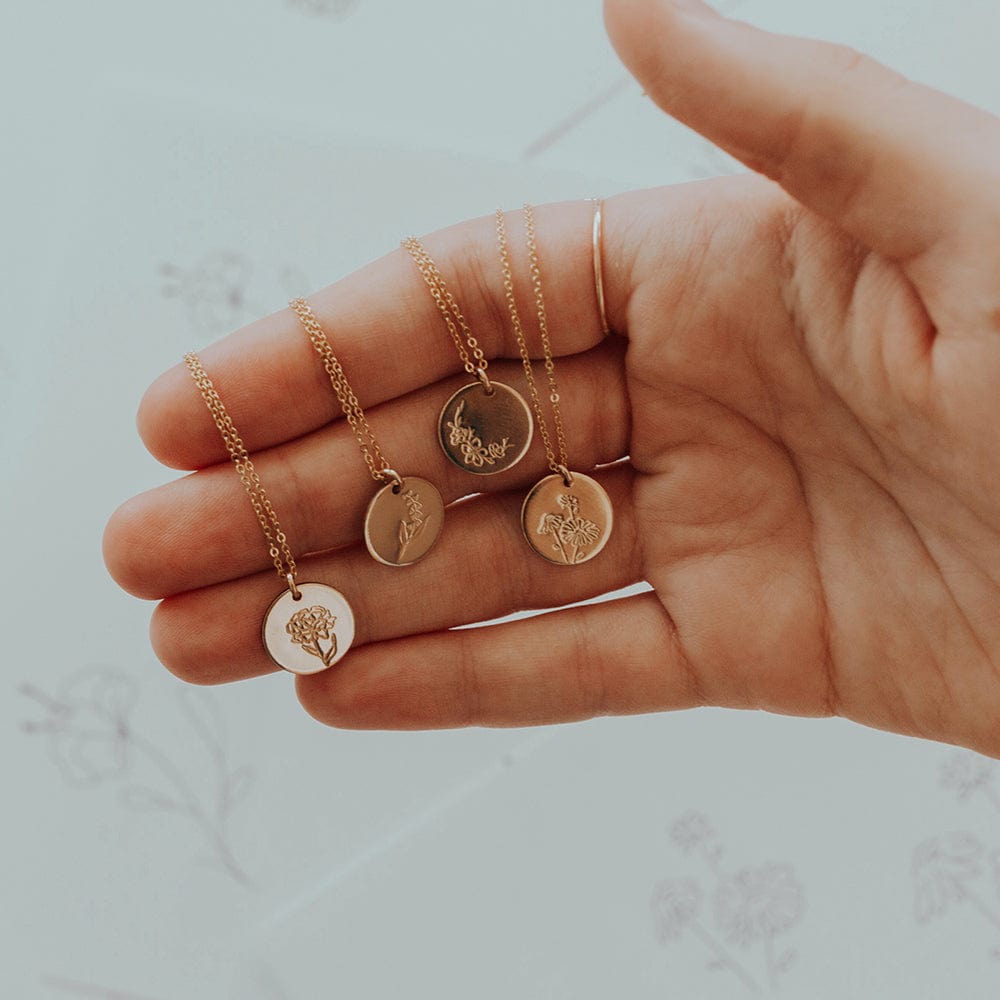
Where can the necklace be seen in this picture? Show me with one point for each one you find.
(566, 517)
(485, 427)
(308, 627)
(406, 515)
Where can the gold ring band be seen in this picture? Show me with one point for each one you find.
(597, 238)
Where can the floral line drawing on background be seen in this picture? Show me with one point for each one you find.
(90, 736)
(79, 989)
(957, 868)
(333, 9)
(750, 907)
(215, 290)
(570, 122)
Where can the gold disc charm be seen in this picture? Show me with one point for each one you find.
(310, 634)
(567, 525)
(485, 431)
(403, 521)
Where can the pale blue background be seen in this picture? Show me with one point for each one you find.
(172, 170)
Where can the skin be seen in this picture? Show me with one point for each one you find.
(804, 376)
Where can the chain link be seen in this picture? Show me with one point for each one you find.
(277, 543)
(465, 342)
(556, 464)
(370, 449)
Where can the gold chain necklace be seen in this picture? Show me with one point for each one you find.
(308, 626)
(406, 515)
(486, 426)
(566, 517)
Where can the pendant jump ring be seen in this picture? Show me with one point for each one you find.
(293, 589)
(394, 477)
(566, 475)
(485, 380)
(597, 239)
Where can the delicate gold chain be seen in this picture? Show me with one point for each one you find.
(556, 463)
(465, 342)
(277, 543)
(370, 449)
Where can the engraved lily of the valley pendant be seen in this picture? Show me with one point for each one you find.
(307, 627)
(409, 529)
(474, 452)
(572, 535)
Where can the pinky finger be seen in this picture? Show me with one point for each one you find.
(616, 658)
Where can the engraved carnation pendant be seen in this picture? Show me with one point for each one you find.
(311, 634)
(403, 521)
(567, 525)
(485, 431)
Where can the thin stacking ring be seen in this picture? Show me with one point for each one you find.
(597, 237)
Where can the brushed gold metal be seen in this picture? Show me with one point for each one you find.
(567, 525)
(403, 521)
(485, 432)
(311, 634)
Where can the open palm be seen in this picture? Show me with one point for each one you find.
(800, 415)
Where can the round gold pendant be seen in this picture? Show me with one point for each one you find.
(403, 521)
(485, 432)
(567, 525)
(310, 634)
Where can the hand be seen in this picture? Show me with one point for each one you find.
(806, 387)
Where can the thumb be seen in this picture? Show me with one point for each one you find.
(901, 167)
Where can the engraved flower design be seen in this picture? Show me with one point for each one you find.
(675, 905)
(474, 452)
(571, 534)
(757, 903)
(410, 528)
(310, 625)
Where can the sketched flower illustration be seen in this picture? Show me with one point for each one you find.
(755, 904)
(308, 626)
(214, 289)
(675, 905)
(691, 831)
(87, 725)
(324, 8)
(941, 868)
(91, 735)
(966, 773)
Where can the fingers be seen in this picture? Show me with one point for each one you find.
(386, 331)
(614, 658)
(481, 569)
(897, 165)
(201, 530)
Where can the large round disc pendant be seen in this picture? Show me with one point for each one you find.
(567, 525)
(310, 634)
(403, 521)
(485, 432)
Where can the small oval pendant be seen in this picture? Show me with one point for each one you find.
(310, 634)
(403, 521)
(567, 525)
(485, 432)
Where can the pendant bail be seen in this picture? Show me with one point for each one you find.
(485, 381)
(567, 476)
(293, 589)
(394, 477)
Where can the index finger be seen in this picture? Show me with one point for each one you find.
(387, 332)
